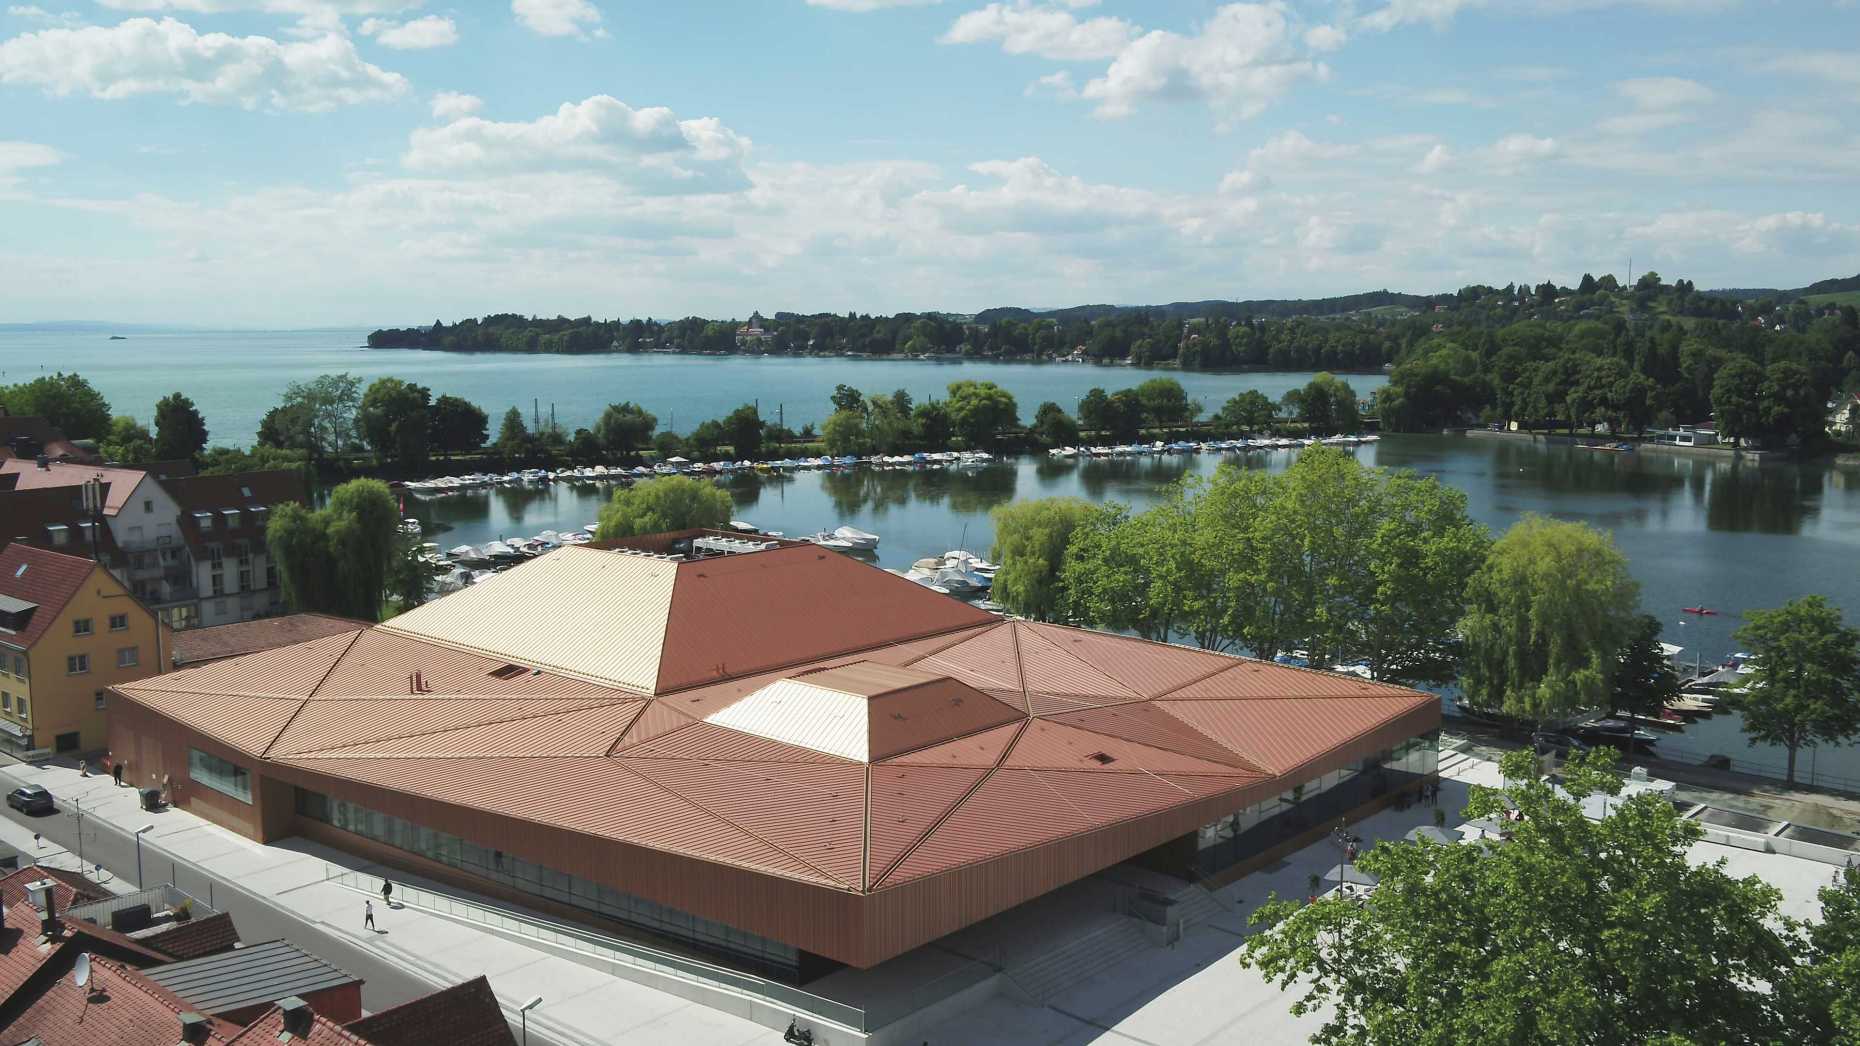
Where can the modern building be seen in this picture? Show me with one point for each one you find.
(68, 630)
(766, 753)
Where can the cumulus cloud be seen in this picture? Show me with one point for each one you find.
(862, 6)
(558, 17)
(32, 13)
(1518, 152)
(649, 148)
(1656, 101)
(1397, 13)
(1239, 62)
(1435, 161)
(1681, 234)
(1325, 38)
(416, 34)
(1044, 29)
(450, 105)
(1293, 149)
(1027, 195)
(143, 56)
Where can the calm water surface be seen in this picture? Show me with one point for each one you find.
(234, 377)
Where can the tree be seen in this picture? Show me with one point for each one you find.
(336, 560)
(663, 504)
(1564, 934)
(458, 426)
(1804, 686)
(66, 401)
(513, 437)
(934, 426)
(1053, 427)
(624, 427)
(845, 397)
(1094, 411)
(1823, 995)
(1790, 404)
(1248, 412)
(1736, 398)
(394, 420)
(1166, 403)
(845, 433)
(127, 442)
(1544, 619)
(325, 409)
(1644, 680)
(980, 409)
(1130, 572)
(1325, 404)
(1123, 415)
(743, 428)
(668, 444)
(286, 427)
(180, 431)
(1030, 545)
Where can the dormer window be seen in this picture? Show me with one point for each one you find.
(204, 520)
(232, 517)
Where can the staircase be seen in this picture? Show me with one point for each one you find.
(1194, 905)
(1084, 958)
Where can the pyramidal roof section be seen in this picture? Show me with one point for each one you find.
(588, 613)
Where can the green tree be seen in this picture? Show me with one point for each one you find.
(624, 427)
(1248, 412)
(1736, 398)
(1031, 538)
(1326, 404)
(1123, 415)
(337, 559)
(845, 433)
(127, 442)
(1131, 572)
(934, 426)
(1094, 411)
(1166, 403)
(980, 410)
(1804, 686)
(1645, 680)
(1823, 995)
(1053, 427)
(743, 430)
(180, 431)
(845, 397)
(668, 444)
(1565, 934)
(394, 420)
(67, 401)
(459, 426)
(513, 437)
(325, 407)
(663, 504)
(286, 427)
(1790, 403)
(1544, 619)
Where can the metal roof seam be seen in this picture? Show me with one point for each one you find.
(1041, 781)
(265, 752)
(1281, 771)
(471, 726)
(1020, 669)
(350, 645)
(905, 854)
(977, 629)
(784, 851)
(1247, 762)
(865, 835)
(895, 756)
(1135, 694)
(848, 652)
(1164, 696)
(494, 655)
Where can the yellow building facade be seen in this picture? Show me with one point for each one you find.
(76, 632)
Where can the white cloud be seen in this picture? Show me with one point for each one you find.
(1059, 84)
(648, 148)
(1657, 101)
(1325, 38)
(558, 17)
(17, 155)
(1435, 161)
(1397, 13)
(416, 34)
(1339, 234)
(142, 56)
(303, 7)
(1293, 149)
(1240, 62)
(1244, 181)
(40, 14)
(1044, 29)
(1518, 152)
(450, 105)
(1836, 67)
(862, 6)
(1681, 235)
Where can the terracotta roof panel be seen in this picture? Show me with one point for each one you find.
(981, 749)
(247, 637)
(324, 725)
(1147, 724)
(249, 724)
(291, 671)
(550, 731)
(1050, 745)
(1282, 735)
(1050, 669)
(1263, 679)
(1146, 668)
(907, 801)
(381, 664)
(47, 579)
(983, 659)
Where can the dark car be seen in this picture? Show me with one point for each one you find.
(1562, 745)
(31, 799)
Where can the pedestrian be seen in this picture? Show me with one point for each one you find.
(387, 893)
(35, 840)
(368, 915)
(1349, 854)
(116, 771)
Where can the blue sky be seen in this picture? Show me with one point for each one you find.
(327, 162)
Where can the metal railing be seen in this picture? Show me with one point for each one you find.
(612, 949)
(1806, 772)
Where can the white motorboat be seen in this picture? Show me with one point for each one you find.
(826, 540)
(960, 582)
(964, 560)
(743, 528)
(858, 539)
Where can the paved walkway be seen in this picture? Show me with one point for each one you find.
(287, 891)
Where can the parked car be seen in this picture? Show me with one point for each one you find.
(1547, 742)
(31, 799)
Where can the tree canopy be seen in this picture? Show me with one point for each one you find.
(180, 431)
(1804, 685)
(1031, 538)
(625, 427)
(319, 415)
(662, 504)
(1545, 617)
(458, 426)
(395, 419)
(1053, 427)
(336, 560)
(67, 401)
(1326, 404)
(980, 410)
(127, 442)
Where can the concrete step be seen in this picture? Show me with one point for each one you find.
(1082, 959)
(1195, 906)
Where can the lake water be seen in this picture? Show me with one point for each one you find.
(234, 377)
(1696, 531)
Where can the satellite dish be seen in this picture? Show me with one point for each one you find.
(82, 974)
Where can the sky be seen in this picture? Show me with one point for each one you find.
(292, 163)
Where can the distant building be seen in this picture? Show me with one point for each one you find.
(69, 629)
(1844, 417)
(29, 437)
(222, 522)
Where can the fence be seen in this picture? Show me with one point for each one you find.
(1807, 773)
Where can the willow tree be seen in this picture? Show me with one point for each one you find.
(336, 560)
(666, 503)
(1544, 621)
(1030, 544)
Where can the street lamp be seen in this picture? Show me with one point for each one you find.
(138, 834)
(524, 1012)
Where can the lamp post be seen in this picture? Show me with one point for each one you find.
(138, 835)
(524, 1012)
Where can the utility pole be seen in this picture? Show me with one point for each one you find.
(93, 508)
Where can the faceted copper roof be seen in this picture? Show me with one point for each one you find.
(857, 769)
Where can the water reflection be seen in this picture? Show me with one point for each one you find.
(1768, 499)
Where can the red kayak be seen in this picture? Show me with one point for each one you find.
(1707, 611)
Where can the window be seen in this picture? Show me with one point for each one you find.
(98, 696)
(61, 534)
(77, 664)
(245, 553)
(271, 576)
(210, 771)
(204, 520)
(245, 579)
(128, 657)
(119, 622)
(215, 555)
(135, 533)
(219, 583)
(6, 701)
(19, 665)
(80, 626)
(22, 706)
(148, 506)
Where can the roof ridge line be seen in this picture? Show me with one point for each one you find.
(265, 753)
(780, 669)
(669, 790)
(1190, 727)
(1237, 662)
(1139, 744)
(1384, 721)
(865, 833)
(892, 759)
(1020, 672)
(614, 750)
(474, 726)
(492, 655)
(904, 854)
(1127, 687)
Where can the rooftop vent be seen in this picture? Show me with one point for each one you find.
(297, 1016)
(194, 1028)
(1102, 758)
(508, 672)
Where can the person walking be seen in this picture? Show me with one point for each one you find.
(368, 915)
(387, 893)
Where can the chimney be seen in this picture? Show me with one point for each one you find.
(44, 463)
(43, 897)
(297, 1016)
(194, 1029)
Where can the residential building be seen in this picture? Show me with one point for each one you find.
(1844, 417)
(782, 759)
(69, 630)
(222, 522)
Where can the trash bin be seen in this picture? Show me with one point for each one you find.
(151, 799)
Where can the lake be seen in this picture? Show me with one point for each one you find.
(235, 377)
(1696, 531)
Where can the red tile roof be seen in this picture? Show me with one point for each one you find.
(196, 645)
(269, 1031)
(48, 579)
(122, 482)
(238, 490)
(194, 938)
(72, 888)
(466, 1014)
(123, 1008)
(29, 515)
